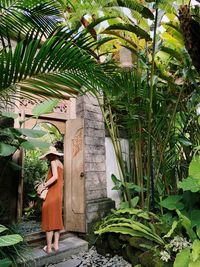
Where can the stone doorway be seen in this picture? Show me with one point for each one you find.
(85, 195)
(35, 170)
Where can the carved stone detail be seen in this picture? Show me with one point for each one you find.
(28, 104)
(77, 142)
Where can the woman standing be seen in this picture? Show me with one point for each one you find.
(52, 221)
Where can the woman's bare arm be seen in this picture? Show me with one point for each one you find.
(54, 174)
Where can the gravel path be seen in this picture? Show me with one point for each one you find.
(92, 259)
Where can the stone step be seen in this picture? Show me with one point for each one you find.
(36, 238)
(36, 257)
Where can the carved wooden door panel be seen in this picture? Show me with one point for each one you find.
(74, 187)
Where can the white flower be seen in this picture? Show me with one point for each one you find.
(179, 243)
(165, 256)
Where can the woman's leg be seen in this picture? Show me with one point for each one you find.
(56, 240)
(49, 236)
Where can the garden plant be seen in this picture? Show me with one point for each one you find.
(50, 48)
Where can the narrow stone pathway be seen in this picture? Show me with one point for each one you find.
(92, 259)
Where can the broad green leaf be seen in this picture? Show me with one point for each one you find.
(6, 150)
(198, 231)
(194, 264)
(172, 202)
(132, 211)
(134, 229)
(2, 228)
(10, 240)
(124, 205)
(195, 167)
(195, 218)
(195, 250)
(32, 133)
(45, 107)
(182, 258)
(190, 183)
(31, 144)
(134, 201)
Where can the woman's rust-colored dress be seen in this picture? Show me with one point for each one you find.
(52, 206)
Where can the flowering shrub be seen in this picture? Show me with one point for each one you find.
(177, 244)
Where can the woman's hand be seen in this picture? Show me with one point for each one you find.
(40, 188)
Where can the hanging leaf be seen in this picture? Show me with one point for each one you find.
(6, 150)
(130, 28)
(31, 144)
(45, 107)
(32, 133)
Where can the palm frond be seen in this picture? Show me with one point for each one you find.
(134, 5)
(57, 66)
(17, 18)
(130, 28)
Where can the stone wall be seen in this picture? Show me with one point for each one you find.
(97, 203)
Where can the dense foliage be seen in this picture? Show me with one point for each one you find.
(74, 47)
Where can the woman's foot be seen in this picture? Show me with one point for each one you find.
(55, 248)
(46, 250)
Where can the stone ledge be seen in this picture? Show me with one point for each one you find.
(36, 257)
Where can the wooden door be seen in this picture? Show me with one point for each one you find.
(74, 181)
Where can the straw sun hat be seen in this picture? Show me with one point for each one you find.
(52, 150)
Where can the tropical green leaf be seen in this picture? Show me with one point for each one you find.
(6, 149)
(195, 217)
(182, 258)
(137, 229)
(194, 264)
(190, 183)
(195, 250)
(2, 228)
(130, 28)
(31, 144)
(31, 132)
(198, 231)
(134, 202)
(172, 202)
(10, 240)
(138, 212)
(194, 167)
